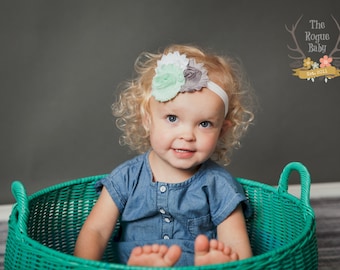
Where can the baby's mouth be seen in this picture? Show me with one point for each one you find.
(183, 150)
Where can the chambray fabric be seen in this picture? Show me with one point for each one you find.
(159, 212)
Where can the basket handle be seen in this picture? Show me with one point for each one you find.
(22, 211)
(304, 178)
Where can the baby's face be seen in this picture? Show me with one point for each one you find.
(184, 131)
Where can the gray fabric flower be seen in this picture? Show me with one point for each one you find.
(196, 76)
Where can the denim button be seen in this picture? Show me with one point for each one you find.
(166, 237)
(167, 220)
(162, 211)
(162, 189)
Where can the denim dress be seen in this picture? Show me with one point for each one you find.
(163, 213)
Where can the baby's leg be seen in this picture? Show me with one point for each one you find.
(212, 252)
(155, 255)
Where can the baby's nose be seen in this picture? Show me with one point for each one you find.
(188, 134)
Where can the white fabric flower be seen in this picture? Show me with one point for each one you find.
(174, 58)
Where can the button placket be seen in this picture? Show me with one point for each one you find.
(162, 204)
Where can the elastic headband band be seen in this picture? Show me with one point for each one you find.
(221, 93)
(175, 73)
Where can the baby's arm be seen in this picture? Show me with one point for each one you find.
(233, 233)
(98, 228)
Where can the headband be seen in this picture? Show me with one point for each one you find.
(175, 73)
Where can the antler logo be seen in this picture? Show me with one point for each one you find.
(304, 67)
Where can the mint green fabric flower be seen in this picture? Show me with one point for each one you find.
(167, 82)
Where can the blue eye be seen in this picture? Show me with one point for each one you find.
(172, 118)
(205, 124)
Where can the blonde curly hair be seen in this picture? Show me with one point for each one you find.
(132, 105)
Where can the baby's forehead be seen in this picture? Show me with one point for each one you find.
(204, 102)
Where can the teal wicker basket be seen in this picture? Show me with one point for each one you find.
(43, 227)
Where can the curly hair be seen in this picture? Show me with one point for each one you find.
(132, 105)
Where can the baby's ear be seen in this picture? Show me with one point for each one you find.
(227, 124)
(146, 121)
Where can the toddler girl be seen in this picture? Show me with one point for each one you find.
(185, 110)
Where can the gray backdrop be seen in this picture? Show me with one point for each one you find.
(61, 62)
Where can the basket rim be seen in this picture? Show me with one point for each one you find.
(66, 184)
(239, 179)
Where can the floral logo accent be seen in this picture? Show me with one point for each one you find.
(307, 62)
(304, 67)
(311, 69)
(326, 61)
(176, 73)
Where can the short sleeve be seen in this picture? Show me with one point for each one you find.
(225, 194)
(123, 180)
(116, 192)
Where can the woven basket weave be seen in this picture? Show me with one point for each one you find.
(43, 227)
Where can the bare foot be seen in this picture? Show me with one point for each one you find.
(155, 255)
(212, 252)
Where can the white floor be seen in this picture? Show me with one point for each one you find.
(5, 211)
(318, 190)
